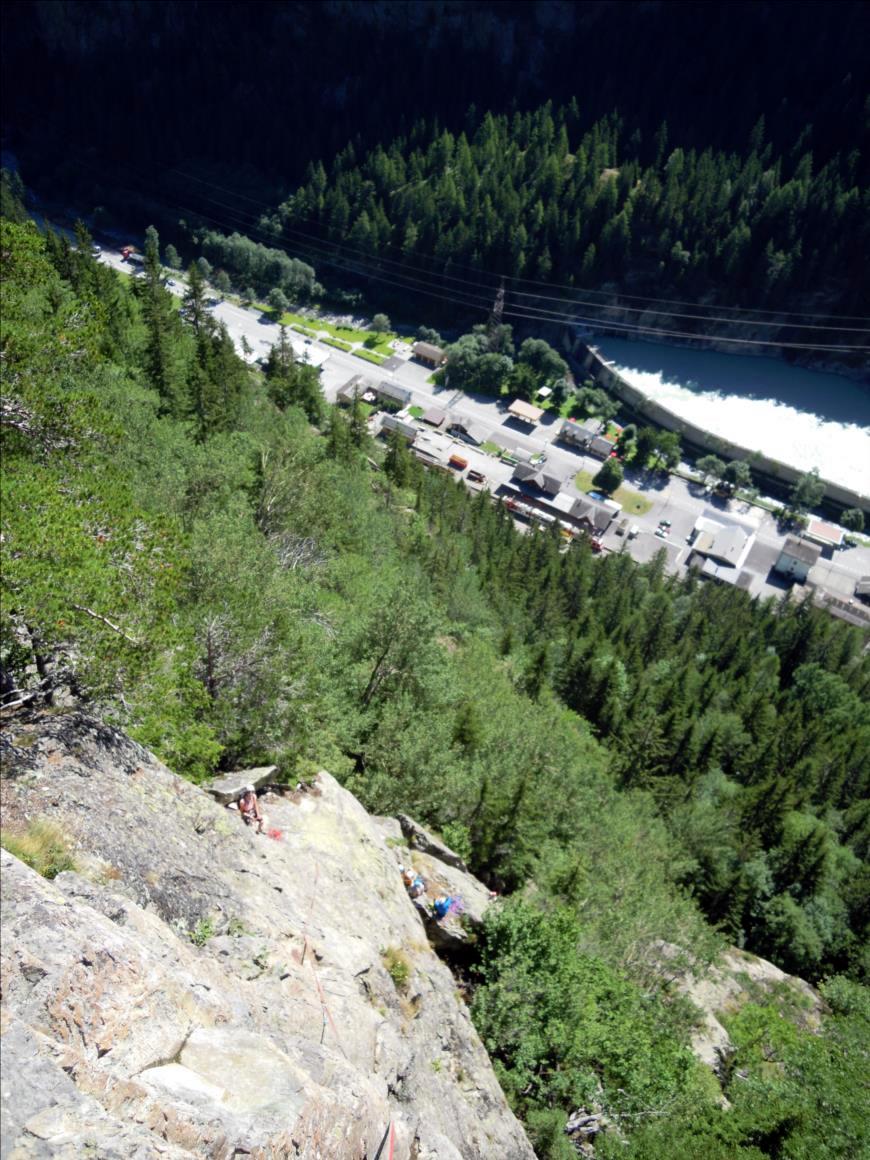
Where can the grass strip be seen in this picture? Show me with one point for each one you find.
(368, 355)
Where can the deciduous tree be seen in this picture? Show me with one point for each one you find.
(609, 476)
(711, 467)
(738, 473)
(808, 492)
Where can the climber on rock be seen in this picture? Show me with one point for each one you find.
(249, 808)
(414, 884)
(441, 906)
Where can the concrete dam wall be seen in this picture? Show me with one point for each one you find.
(763, 466)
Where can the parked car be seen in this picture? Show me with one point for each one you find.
(476, 476)
(633, 531)
(96, 250)
(661, 533)
(664, 523)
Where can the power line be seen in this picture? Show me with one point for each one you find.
(579, 290)
(568, 302)
(496, 278)
(317, 251)
(403, 281)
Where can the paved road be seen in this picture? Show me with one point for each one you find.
(671, 497)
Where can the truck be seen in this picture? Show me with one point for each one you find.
(131, 254)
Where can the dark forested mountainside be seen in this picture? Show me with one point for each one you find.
(273, 86)
(544, 196)
(616, 750)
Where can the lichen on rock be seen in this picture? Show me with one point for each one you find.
(194, 989)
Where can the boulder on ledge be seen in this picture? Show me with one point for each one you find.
(230, 787)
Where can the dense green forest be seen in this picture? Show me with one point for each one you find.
(235, 573)
(250, 93)
(544, 196)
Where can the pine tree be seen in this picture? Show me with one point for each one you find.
(194, 302)
(162, 364)
(292, 383)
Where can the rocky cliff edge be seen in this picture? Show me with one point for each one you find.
(192, 989)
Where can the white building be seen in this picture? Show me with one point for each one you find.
(796, 558)
(725, 544)
(825, 535)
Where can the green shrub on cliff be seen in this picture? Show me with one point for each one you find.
(42, 846)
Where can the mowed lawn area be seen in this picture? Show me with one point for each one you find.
(633, 503)
(348, 334)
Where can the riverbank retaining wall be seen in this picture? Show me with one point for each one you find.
(782, 475)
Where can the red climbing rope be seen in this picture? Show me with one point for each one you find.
(327, 1014)
(391, 1133)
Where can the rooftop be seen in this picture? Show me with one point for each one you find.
(849, 611)
(824, 534)
(592, 511)
(435, 417)
(353, 386)
(544, 480)
(429, 351)
(574, 432)
(525, 411)
(393, 391)
(599, 443)
(727, 544)
(725, 575)
(799, 549)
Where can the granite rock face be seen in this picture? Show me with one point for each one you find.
(195, 990)
(724, 987)
(444, 873)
